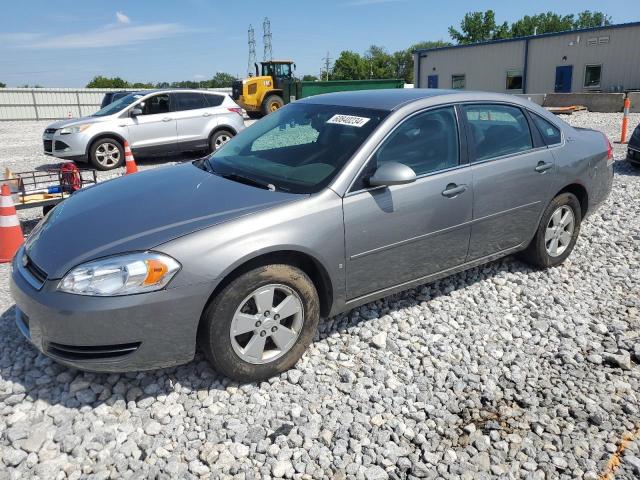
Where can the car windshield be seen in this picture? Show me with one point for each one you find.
(118, 105)
(299, 148)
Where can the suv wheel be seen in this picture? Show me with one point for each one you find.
(218, 139)
(557, 233)
(271, 104)
(261, 323)
(106, 154)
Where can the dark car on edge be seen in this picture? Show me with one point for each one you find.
(633, 149)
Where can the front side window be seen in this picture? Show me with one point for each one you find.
(514, 80)
(190, 101)
(427, 142)
(497, 130)
(299, 148)
(156, 104)
(118, 105)
(550, 133)
(592, 74)
(458, 82)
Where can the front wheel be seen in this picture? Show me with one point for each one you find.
(106, 154)
(261, 323)
(271, 104)
(218, 139)
(557, 233)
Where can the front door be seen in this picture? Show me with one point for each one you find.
(402, 233)
(155, 130)
(564, 76)
(432, 81)
(512, 178)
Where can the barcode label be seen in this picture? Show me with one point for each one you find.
(349, 120)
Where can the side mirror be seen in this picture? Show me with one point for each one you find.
(135, 112)
(392, 173)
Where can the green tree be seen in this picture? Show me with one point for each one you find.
(379, 63)
(141, 85)
(2, 85)
(349, 66)
(403, 59)
(479, 27)
(221, 80)
(104, 82)
(309, 78)
(588, 19)
(541, 23)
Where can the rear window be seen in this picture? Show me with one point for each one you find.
(190, 101)
(213, 100)
(550, 133)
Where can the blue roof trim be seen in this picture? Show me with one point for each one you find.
(529, 37)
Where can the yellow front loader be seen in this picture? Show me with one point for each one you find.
(263, 94)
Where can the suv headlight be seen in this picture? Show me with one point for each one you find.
(120, 275)
(74, 129)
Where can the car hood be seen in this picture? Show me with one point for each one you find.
(78, 121)
(138, 212)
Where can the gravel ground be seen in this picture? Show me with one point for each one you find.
(498, 372)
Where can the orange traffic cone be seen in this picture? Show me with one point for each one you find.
(10, 231)
(128, 159)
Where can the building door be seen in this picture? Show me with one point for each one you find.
(432, 81)
(564, 75)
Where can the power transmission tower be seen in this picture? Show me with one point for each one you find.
(327, 66)
(252, 51)
(268, 50)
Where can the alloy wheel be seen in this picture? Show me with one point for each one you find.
(559, 231)
(220, 141)
(107, 154)
(267, 324)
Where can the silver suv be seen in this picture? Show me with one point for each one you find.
(153, 122)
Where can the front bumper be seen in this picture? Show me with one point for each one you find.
(108, 334)
(633, 155)
(68, 147)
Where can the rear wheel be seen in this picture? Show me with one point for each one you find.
(106, 154)
(557, 233)
(261, 323)
(218, 139)
(271, 104)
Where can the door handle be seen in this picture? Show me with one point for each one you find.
(453, 190)
(206, 114)
(543, 167)
(167, 119)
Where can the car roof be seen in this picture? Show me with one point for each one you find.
(393, 99)
(173, 90)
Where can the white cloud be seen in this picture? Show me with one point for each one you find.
(109, 36)
(364, 3)
(122, 18)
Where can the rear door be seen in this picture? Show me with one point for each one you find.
(513, 176)
(155, 130)
(193, 116)
(401, 233)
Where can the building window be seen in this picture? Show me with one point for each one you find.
(514, 80)
(592, 74)
(458, 82)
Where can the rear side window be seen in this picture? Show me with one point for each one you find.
(550, 133)
(427, 142)
(497, 130)
(213, 100)
(190, 101)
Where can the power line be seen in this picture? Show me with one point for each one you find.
(252, 51)
(266, 38)
(327, 66)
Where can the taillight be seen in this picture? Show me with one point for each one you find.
(236, 110)
(609, 148)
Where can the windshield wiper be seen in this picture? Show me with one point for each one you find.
(237, 177)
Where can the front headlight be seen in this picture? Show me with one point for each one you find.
(74, 129)
(120, 275)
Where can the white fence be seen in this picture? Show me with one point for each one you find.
(54, 103)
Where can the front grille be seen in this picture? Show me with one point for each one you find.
(98, 352)
(236, 89)
(47, 145)
(51, 130)
(60, 145)
(37, 273)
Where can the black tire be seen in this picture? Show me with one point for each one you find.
(214, 335)
(99, 146)
(271, 104)
(219, 138)
(255, 115)
(536, 253)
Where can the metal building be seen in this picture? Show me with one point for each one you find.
(600, 59)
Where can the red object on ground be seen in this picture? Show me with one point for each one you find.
(130, 163)
(10, 230)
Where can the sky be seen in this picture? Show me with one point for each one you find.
(65, 43)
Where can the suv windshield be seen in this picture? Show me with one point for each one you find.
(299, 148)
(118, 105)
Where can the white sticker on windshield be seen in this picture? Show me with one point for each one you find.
(350, 120)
